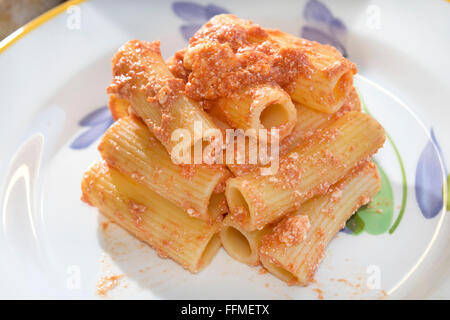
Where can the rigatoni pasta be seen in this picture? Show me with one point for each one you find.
(260, 107)
(309, 120)
(330, 77)
(228, 55)
(308, 170)
(293, 253)
(241, 244)
(129, 147)
(141, 76)
(217, 204)
(118, 107)
(151, 218)
(224, 28)
(291, 187)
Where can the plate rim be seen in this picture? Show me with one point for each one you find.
(49, 15)
(35, 23)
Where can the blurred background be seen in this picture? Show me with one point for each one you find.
(16, 13)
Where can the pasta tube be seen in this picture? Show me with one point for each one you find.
(133, 150)
(175, 65)
(261, 106)
(228, 55)
(219, 118)
(223, 28)
(118, 107)
(330, 79)
(242, 162)
(309, 120)
(217, 204)
(293, 251)
(309, 170)
(151, 218)
(240, 244)
(156, 96)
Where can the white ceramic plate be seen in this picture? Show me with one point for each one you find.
(52, 85)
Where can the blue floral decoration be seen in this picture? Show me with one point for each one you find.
(323, 27)
(429, 184)
(195, 15)
(98, 121)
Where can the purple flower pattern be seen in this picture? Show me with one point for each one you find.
(429, 178)
(194, 15)
(97, 122)
(323, 27)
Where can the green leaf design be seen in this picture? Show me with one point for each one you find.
(355, 224)
(404, 186)
(378, 214)
(402, 168)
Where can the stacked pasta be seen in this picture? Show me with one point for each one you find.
(236, 75)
